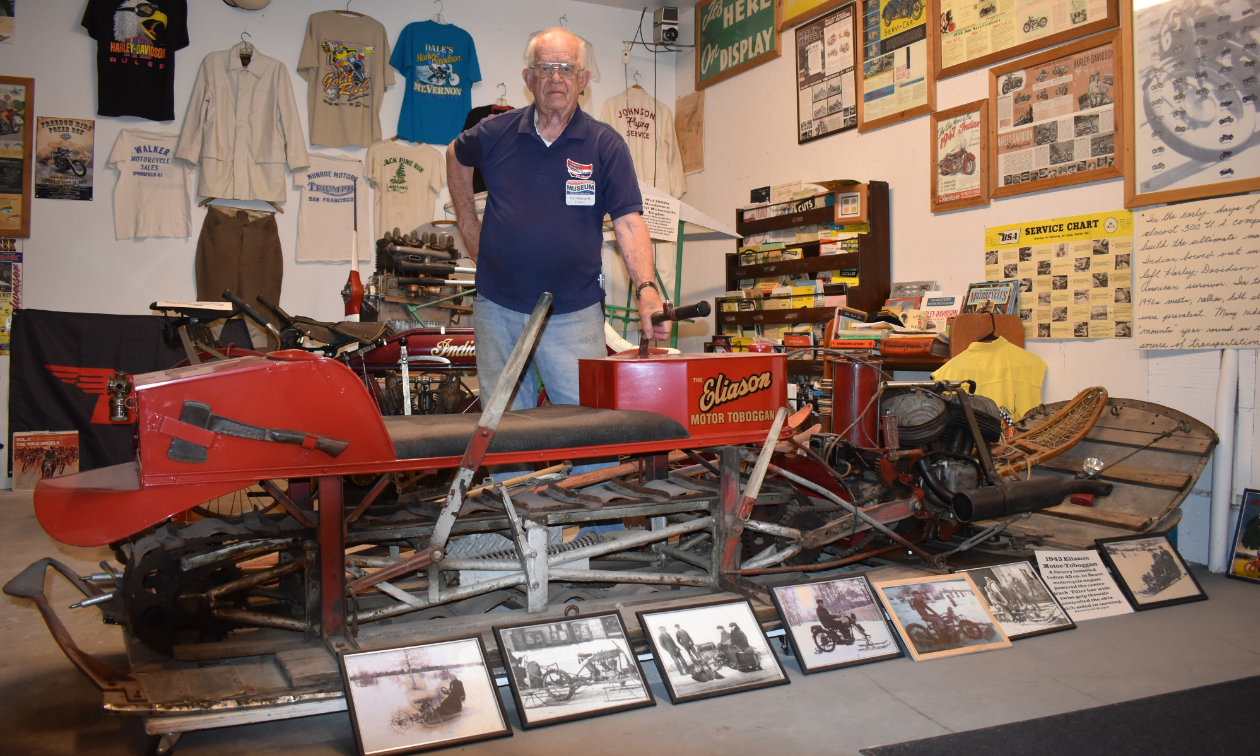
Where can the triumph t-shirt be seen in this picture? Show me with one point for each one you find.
(136, 42)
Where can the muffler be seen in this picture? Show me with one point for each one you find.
(1016, 497)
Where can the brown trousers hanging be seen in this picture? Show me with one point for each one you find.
(240, 250)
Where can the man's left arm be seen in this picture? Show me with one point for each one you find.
(636, 250)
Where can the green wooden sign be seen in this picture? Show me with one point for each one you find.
(733, 36)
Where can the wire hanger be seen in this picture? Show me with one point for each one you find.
(437, 17)
(992, 334)
(636, 81)
(563, 19)
(502, 101)
(348, 12)
(247, 52)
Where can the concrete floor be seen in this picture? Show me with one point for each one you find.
(47, 707)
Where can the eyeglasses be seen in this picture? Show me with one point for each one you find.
(566, 70)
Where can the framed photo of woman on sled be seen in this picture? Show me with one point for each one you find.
(1149, 571)
(941, 615)
(417, 698)
(834, 623)
(711, 650)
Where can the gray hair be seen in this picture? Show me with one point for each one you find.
(531, 49)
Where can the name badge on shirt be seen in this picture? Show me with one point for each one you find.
(579, 192)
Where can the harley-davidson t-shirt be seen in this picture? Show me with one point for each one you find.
(439, 62)
(136, 42)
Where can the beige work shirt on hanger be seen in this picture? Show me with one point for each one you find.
(242, 126)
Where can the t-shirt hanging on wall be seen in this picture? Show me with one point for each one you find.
(136, 42)
(648, 127)
(345, 60)
(476, 116)
(407, 179)
(325, 221)
(152, 197)
(439, 62)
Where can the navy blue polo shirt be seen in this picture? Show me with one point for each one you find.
(544, 219)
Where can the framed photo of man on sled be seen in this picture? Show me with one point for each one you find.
(834, 623)
(1020, 600)
(711, 650)
(1149, 571)
(417, 698)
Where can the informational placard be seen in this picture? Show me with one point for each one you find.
(826, 80)
(63, 158)
(1055, 117)
(1198, 275)
(897, 80)
(981, 32)
(10, 288)
(661, 216)
(733, 36)
(1193, 109)
(1075, 274)
(1081, 583)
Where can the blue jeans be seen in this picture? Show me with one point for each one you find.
(564, 340)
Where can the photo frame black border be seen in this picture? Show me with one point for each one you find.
(516, 693)
(852, 5)
(1071, 625)
(796, 649)
(1101, 543)
(506, 732)
(1248, 493)
(674, 698)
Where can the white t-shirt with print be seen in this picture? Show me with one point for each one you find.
(407, 178)
(325, 222)
(153, 196)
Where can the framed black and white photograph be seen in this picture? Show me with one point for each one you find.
(417, 698)
(941, 615)
(572, 668)
(1019, 600)
(711, 650)
(834, 623)
(1149, 571)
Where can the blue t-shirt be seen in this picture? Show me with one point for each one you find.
(439, 63)
(544, 221)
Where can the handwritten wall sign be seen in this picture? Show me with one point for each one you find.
(1197, 275)
(1081, 583)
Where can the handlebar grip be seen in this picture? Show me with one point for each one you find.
(280, 315)
(250, 312)
(697, 310)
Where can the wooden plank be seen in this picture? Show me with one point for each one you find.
(308, 666)
(1181, 444)
(162, 725)
(1145, 476)
(1136, 523)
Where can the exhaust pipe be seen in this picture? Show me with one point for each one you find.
(993, 503)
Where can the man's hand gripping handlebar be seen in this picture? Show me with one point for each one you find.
(697, 310)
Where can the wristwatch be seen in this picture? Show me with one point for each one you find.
(639, 289)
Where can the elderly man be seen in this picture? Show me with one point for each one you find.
(552, 173)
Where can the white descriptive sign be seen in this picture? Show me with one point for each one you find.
(661, 216)
(1197, 275)
(1080, 582)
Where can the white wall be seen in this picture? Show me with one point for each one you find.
(750, 141)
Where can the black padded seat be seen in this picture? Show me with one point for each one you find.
(558, 426)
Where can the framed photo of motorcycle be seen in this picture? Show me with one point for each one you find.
(959, 170)
(834, 623)
(1020, 600)
(1054, 117)
(977, 34)
(17, 100)
(897, 67)
(422, 697)
(1149, 571)
(826, 79)
(63, 158)
(1192, 108)
(941, 615)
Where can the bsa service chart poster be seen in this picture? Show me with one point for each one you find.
(63, 158)
(1075, 274)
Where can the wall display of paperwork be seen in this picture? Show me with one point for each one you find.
(825, 80)
(975, 34)
(898, 80)
(733, 36)
(1197, 273)
(1075, 274)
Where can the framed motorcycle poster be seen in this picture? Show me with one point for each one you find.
(826, 79)
(63, 158)
(834, 623)
(17, 98)
(1191, 113)
(959, 170)
(977, 34)
(1054, 117)
(897, 75)
(1150, 571)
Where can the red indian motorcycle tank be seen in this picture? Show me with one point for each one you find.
(455, 344)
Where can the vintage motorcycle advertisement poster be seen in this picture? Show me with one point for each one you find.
(1075, 274)
(63, 158)
(10, 288)
(1056, 119)
(972, 30)
(895, 69)
(14, 151)
(1195, 94)
(825, 76)
(958, 154)
(8, 20)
